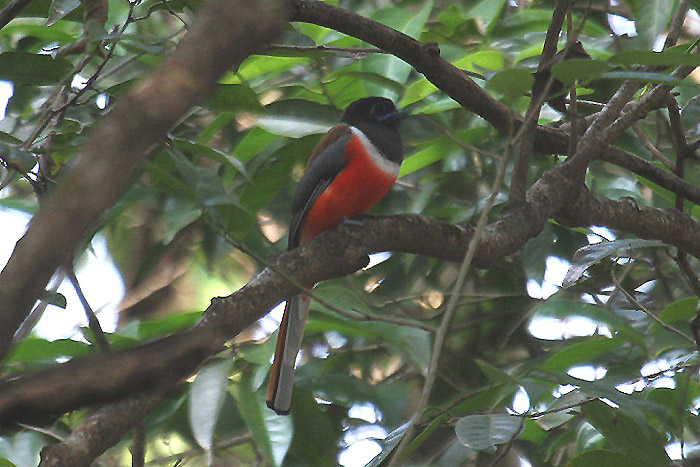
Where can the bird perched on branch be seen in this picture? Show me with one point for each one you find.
(351, 168)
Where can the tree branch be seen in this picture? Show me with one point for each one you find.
(228, 31)
(11, 11)
(453, 82)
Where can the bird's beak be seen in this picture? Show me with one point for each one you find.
(395, 116)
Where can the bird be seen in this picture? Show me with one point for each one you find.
(350, 169)
(556, 96)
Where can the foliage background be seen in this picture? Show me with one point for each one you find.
(613, 385)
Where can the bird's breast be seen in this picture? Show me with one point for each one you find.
(366, 178)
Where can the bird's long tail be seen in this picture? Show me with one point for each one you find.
(279, 387)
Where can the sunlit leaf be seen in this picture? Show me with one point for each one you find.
(388, 444)
(679, 311)
(206, 398)
(297, 118)
(486, 432)
(592, 254)
(387, 65)
(271, 432)
(34, 349)
(486, 12)
(582, 352)
(61, 8)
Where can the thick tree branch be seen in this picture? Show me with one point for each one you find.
(543, 82)
(228, 31)
(161, 364)
(11, 11)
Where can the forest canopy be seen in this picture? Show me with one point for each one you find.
(525, 294)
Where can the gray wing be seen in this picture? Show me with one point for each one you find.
(316, 179)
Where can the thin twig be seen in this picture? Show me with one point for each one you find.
(652, 149)
(534, 415)
(676, 26)
(397, 456)
(227, 443)
(518, 185)
(327, 48)
(138, 447)
(93, 322)
(646, 311)
(49, 111)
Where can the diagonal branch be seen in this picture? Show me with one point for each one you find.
(229, 31)
(425, 58)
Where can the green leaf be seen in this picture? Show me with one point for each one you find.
(210, 153)
(652, 19)
(271, 432)
(413, 343)
(580, 69)
(219, 122)
(426, 156)
(388, 444)
(489, 59)
(486, 12)
(55, 299)
(395, 69)
(313, 426)
(494, 374)
(589, 255)
(233, 98)
(511, 83)
(561, 308)
(557, 418)
(60, 9)
(296, 118)
(33, 349)
(648, 57)
(159, 327)
(581, 352)
(441, 148)
(347, 86)
(682, 310)
(649, 77)
(641, 444)
(485, 432)
(421, 88)
(252, 144)
(206, 399)
(599, 459)
(23, 68)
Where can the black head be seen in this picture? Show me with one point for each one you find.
(373, 111)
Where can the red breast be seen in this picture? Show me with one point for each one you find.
(365, 179)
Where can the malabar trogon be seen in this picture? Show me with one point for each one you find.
(351, 168)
